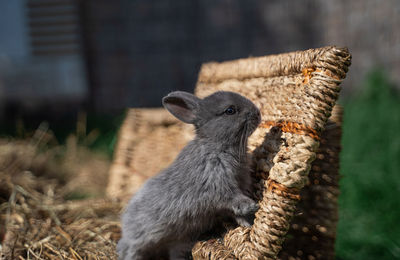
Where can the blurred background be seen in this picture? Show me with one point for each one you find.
(74, 67)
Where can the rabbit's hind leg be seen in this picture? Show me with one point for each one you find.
(130, 251)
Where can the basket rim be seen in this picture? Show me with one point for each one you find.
(333, 58)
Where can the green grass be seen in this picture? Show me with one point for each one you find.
(369, 218)
(108, 132)
(97, 132)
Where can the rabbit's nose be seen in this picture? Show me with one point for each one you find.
(256, 117)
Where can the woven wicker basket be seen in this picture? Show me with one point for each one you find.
(295, 93)
(312, 231)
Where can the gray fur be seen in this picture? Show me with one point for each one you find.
(209, 179)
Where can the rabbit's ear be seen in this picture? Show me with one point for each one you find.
(182, 105)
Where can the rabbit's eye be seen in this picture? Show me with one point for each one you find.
(230, 110)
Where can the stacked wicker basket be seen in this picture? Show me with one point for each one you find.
(296, 93)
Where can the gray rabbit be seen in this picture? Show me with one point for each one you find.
(209, 179)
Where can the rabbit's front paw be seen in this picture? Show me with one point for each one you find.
(244, 206)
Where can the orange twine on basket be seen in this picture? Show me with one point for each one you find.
(307, 74)
(292, 127)
(282, 190)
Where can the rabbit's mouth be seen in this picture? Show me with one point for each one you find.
(251, 128)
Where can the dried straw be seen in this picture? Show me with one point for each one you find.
(36, 222)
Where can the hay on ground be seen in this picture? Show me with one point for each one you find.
(36, 221)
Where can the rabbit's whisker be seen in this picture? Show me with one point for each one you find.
(243, 141)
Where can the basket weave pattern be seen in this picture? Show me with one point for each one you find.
(295, 93)
(313, 229)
